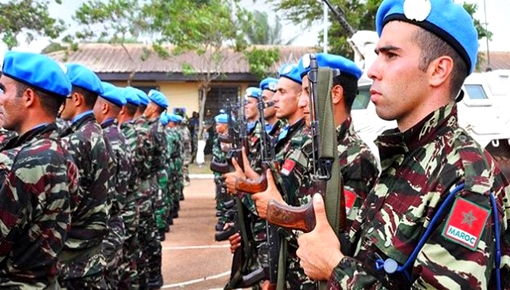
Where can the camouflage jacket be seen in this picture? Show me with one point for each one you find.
(81, 255)
(358, 167)
(122, 163)
(38, 176)
(146, 147)
(6, 136)
(186, 143)
(275, 129)
(218, 155)
(419, 168)
(174, 147)
(159, 153)
(135, 159)
(254, 136)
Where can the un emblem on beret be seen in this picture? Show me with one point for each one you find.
(63, 67)
(306, 60)
(272, 86)
(287, 69)
(417, 10)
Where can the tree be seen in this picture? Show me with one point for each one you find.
(360, 15)
(258, 30)
(30, 18)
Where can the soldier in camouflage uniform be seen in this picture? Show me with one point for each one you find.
(38, 176)
(147, 229)
(440, 195)
(130, 213)
(273, 124)
(218, 153)
(82, 262)
(157, 105)
(175, 167)
(186, 155)
(358, 166)
(106, 110)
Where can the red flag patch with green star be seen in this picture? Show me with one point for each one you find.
(465, 223)
(350, 198)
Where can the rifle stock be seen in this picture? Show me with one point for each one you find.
(220, 167)
(291, 217)
(252, 186)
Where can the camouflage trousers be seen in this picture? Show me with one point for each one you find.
(160, 201)
(175, 192)
(112, 251)
(91, 282)
(82, 269)
(131, 251)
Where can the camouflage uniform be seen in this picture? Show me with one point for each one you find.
(275, 129)
(221, 191)
(158, 169)
(38, 177)
(6, 136)
(358, 167)
(82, 262)
(112, 246)
(419, 168)
(186, 142)
(147, 228)
(293, 153)
(174, 151)
(130, 212)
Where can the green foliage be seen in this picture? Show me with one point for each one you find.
(261, 60)
(52, 47)
(28, 17)
(258, 30)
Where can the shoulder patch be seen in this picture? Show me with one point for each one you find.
(350, 198)
(465, 223)
(287, 167)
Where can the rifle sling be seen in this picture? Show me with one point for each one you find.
(333, 202)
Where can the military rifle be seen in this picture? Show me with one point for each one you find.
(324, 166)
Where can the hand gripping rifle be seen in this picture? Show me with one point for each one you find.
(326, 172)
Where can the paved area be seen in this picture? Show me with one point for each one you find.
(192, 259)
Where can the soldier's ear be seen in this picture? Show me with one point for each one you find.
(337, 94)
(29, 95)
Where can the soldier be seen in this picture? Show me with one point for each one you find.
(106, 110)
(81, 260)
(175, 176)
(157, 105)
(441, 201)
(186, 159)
(130, 213)
(273, 124)
(221, 196)
(38, 174)
(147, 229)
(358, 166)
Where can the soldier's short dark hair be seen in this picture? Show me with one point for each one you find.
(433, 47)
(160, 109)
(50, 103)
(350, 86)
(131, 109)
(142, 108)
(90, 97)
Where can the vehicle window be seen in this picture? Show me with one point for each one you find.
(475, 92)
(362, 99)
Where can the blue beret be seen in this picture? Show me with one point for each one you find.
(131, 95)
(291, 72)
(221, 118)
(163, 118)
(37, 70)
(269, 84)
(142, 96)
(158, 98)
(83, 77)
(333, 61)
(113, 94)
(253, 92)
(449, 21)
(174, 118)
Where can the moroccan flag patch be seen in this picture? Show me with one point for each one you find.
(466, 223)
(287, 167)
(350, 198)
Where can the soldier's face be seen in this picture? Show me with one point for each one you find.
(269, 112)
(250, 108)
(221, 128)
(12, 110)
(68, 110)
(286, 100)
(304, 99)
(401, 90)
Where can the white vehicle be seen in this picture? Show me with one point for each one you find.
(484, 110)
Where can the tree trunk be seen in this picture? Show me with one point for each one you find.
(202, 97)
